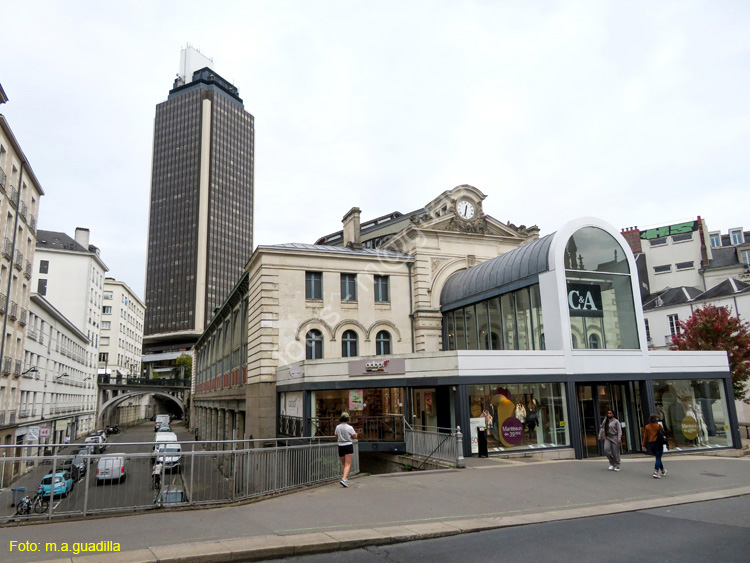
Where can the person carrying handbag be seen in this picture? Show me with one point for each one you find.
(610, 433)
(654, 440)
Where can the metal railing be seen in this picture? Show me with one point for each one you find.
(432, 442)
(201, 473)
(388, 428)
(122, 380)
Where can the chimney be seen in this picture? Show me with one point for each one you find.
(633, 237)
(82, 237)
(352, 229)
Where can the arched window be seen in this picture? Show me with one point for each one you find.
(383, 343)
(600, 290)
(594, 341)
(349, 344)
(314, 348)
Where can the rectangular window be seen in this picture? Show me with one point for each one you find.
(674, 324)
(736, 236)
(745, 259)
(658, 241)
(44, 266)
(106, 324)
(104, 341)
(470, 320)
(685, 265)
(348, 287)
(41, 287)
(662, 269)
(682, 238)
(715, 240)
(382, 294)
(313, 285)
(107, 295)
(103, 357)
(107, 310)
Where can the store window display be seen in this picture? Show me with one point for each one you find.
(377, 414)
(519, 416)
(693, 412)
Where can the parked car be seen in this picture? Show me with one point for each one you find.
(63, 484)
(96, 444)
(110, 468)
(75, 466)
(171, 495)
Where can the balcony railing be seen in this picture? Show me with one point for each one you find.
(13, 310)
(22, 209)
(13, 196)
(22, 317)
(3, 178)
(7, 365)
(8, 248)
(31, 333)
(17, 368)
(18, 261)
(24, 413)
(32, 222)
(2, 303)
(27, 270)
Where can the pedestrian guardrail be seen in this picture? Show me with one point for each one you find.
(432, 442)
(191, 473)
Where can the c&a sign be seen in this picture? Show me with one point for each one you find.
(585, 300)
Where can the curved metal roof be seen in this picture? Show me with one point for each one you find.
(505, 271)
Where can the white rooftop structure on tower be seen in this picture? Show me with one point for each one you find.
(191, 59)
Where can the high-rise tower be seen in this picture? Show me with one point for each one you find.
(201, 213)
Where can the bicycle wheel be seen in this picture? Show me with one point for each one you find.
(41, 506)
(23, 507)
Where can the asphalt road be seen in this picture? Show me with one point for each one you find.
(706, 531)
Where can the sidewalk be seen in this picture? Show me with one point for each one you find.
(381, 509)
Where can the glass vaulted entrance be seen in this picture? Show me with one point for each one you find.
(594, 400)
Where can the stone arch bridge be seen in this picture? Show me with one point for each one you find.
(113, 390)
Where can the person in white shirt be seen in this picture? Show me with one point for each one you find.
(344, 434)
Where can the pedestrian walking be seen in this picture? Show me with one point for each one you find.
(344, 434)
(611, 434)
(654, 439)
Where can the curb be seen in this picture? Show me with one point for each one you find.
(259, 548)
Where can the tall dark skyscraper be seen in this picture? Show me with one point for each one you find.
(201, 214)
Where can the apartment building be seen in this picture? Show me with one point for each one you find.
(20, 193)
(121, 337)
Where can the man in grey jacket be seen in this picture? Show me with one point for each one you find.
(611, 433)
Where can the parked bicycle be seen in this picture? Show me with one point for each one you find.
(28, 504)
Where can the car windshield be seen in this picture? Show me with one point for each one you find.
(173, 449)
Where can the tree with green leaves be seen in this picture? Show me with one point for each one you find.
(715, 328)
(184, 366)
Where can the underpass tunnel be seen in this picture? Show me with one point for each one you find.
(130, 408)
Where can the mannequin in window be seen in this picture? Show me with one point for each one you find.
(702, 428)
(532, 415)
(520, 412)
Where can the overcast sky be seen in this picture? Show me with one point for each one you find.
(634, 112)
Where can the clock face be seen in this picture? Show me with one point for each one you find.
(465, 209)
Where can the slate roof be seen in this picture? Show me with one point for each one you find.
(326, 249)
(58, 241)
(497, 275)
(685, 294)
(724, 257)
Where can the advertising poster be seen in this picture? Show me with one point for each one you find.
(356, 401)
(474, 425)
(428, 403)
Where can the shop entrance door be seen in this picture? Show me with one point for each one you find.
(594, 400)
